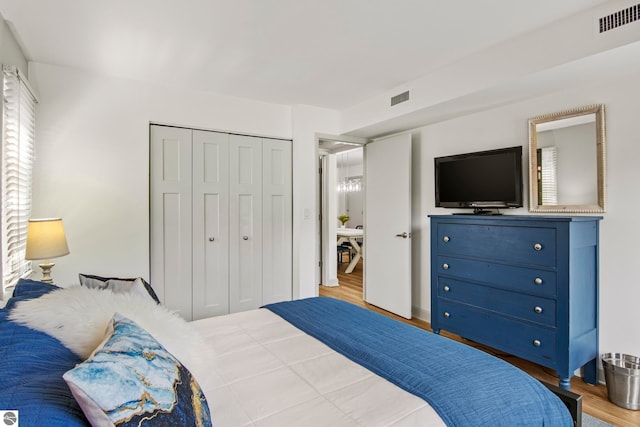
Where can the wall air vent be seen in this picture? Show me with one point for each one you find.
(619, 18)
(404, 96)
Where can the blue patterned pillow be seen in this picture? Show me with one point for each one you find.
(132, 380)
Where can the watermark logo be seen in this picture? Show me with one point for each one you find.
(9, 418)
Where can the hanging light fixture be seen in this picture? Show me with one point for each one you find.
(346, 184)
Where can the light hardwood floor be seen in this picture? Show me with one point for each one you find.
(594, 398)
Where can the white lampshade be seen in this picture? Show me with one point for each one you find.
(46, 239)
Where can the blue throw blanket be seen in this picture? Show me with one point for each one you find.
(465, 386)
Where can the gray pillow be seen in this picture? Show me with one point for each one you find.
(136, 286)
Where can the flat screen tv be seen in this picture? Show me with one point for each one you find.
(480, 180)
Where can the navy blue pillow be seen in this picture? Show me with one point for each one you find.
(28, 289)
(31, 367)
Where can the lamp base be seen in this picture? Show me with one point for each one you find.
(46, 271)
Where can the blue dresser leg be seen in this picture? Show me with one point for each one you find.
(590, 372)
(565, 383)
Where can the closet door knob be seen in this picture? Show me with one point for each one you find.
(211, 239)
(245, 237)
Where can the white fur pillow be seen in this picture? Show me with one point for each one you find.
(78, 317)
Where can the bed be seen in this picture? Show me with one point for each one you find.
(311, 362)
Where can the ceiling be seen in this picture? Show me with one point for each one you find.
(328, 53)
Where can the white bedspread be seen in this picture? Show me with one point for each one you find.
(266, 372)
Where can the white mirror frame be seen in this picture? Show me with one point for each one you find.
(534, 205)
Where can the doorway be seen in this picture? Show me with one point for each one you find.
(387, 276)
(350, 203)
(340, 192)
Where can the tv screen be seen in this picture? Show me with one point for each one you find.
(484, 179)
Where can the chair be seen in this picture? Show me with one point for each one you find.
(342, 249)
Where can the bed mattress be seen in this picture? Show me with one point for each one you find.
(265, 372)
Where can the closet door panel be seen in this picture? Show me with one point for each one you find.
(170, 200)
(210, 224)
(245, 222)
(277, 220)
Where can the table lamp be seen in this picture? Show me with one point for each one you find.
(45, 240)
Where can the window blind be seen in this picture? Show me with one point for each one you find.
(18, 132)
(549, 176)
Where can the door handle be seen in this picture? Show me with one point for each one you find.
(403, 235)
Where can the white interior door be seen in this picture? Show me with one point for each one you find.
(387, 224)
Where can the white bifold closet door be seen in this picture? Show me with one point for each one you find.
(245, 225)
(220, 221)
(210, 217)
(170, 217)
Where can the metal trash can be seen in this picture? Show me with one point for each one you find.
(622, 375)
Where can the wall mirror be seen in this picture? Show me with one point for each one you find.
(567, 161)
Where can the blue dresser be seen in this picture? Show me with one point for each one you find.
(526, 285)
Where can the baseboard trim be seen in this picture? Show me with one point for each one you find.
(331, 283)
(421, 313)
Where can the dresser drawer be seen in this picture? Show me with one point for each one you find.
(526, 245)
(527, 341)
(528, 307)
(509, 277)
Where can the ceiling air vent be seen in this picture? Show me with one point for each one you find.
(404, 96)
(620, 18)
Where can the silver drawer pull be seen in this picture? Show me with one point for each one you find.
(211, 239)
(446, 288)
(447, 315)
(538, 310)
(446, 239)
(537, 281)
(445, 266)
(537, 343)
(537, 247)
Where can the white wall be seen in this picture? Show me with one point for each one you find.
(544, 60)
(507, 126)
(10, 52)
(92, 166)
(92, 159)
(308, 122)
